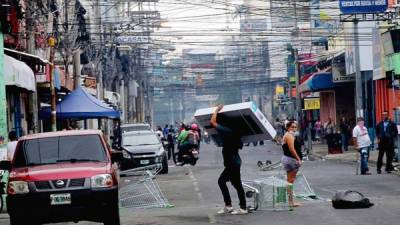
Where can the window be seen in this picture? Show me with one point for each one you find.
(139, 139)
(54, 150)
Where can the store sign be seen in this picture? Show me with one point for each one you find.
(279, 90)
(363, 6)
(378, 55)
(133, 39)
(311, 103)
(144, 14)
(253, 25)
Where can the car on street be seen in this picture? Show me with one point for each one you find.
(131, 127)
(64, 176)
(143, 148)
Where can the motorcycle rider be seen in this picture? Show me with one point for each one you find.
(189, 140)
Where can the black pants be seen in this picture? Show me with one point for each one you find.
(232, 174)
(388, 148)
(171, 151)
(183, 149)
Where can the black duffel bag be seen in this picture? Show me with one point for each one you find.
(350, 200)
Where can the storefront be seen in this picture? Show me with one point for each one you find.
(336, 100)
(20, 82)
(3, 112)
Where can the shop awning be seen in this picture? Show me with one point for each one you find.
(81, 105)
(17, 73)
(25, 56)
(317, 82)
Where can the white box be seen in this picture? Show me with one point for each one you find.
(254, 126)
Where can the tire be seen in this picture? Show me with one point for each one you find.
(20, 220)
(164, 163)
(113, 216)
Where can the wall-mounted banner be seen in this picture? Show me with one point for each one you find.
(363, 6)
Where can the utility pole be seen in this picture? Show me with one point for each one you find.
(33, 104)
(51, 43)
(359, 95)
(296, 73)
(77, 68)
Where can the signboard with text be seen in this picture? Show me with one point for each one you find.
(363, 6)
(133, 39)
(311, 103)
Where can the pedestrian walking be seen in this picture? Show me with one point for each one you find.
(386, 132)
(362, 143)
(171, 144)
(231, 143)
(11, 145)
(344, 133)
(329, 129)
(318, 129)
(291, 159)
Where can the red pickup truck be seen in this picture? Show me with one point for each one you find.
(61, 177)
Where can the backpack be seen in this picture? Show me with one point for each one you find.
(350, 200)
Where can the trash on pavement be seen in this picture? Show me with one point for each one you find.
(350, 200)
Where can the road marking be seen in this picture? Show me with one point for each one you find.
(211, 217)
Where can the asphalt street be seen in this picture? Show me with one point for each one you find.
(196, 196)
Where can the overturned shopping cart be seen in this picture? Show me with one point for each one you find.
(143, 190)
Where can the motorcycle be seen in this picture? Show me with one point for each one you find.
(190, 157)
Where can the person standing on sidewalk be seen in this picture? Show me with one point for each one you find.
(231, 143)
(291, 159)
(386, 132)
(362, 142)
(329, 129)
(171, 144)
(344, 133)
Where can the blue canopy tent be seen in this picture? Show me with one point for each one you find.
(81, 105)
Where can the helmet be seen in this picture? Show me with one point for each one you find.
(194, 126)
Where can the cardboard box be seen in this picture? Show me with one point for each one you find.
(245, 117)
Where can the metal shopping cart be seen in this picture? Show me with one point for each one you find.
(143, 191)
(267, 194)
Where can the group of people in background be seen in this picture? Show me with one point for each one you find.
(340, 136)
(320, 131)
(184, 137)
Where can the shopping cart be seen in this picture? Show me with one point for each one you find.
(267, 194)
(143, 192)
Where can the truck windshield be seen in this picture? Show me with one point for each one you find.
(54, 150)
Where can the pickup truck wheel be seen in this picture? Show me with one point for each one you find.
(20, 220)
(164, 164)
(113, 217)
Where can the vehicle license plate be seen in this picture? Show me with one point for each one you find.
(144, 162)
(60, 199)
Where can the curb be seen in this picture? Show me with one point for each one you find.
(370, 163)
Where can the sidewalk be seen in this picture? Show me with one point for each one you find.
(321, 151)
